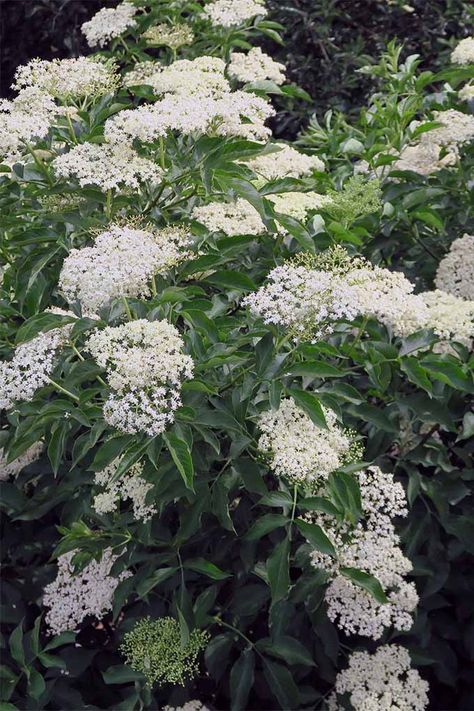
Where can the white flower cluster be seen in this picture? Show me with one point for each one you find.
(15, 467)
(354, 609)
(109, 166)
(298, 205)
(145, 367)
(307, 300)
(68, 78)
(193, 705)
(373, 547)
(121, 262)
(455, 273)
(255, 66)
(141, 73)
(382, 681)
(287, 162)
(71, 598)
(450, 318)
(466, 93)
(464, 52)
(203, 76)
(109, 23)
(173, 36)
(236, 113)
(29, 116)
(31, 365)
(234, 218)
(438, 148)
(298, 449)
(131, 486)
(229, 13)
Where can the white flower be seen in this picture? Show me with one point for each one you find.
(235, 218)
(464, 52)
(466, 93)
(228, 13)
(307, 301)
(287, 162)
(373, 547)
(298, 449)
(438, 148)
(382, 681)
(71, 598)
(121, 262)
(31, 365)
(174, 36)
(203, 76)
(15, 467)
(109, 23)
(145, 367)
(193, 705)
(455, 274)
(388, 297)
(355, 611)
(107, 166)
(67, 78)
(450, 318)
(298, 205)
(23, 120)
(131, 486)
(141, 73)
(236, 113)
(255, 66)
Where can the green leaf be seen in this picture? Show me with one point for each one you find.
(415, 373)
(181, 456)
(241, 680)
(264, 525)
(232, 280)
(315, 535)
(276, 498)
(345, 493)
(36, 684)
(287, 648)
(41, 323)
(317, 369)
(200, 565)
(366, 581)
(375, 416)
(281, 684)
(16, 645)
(121, 674)
(311, 405)
(278, 571)
(158, 577)
(318, 503)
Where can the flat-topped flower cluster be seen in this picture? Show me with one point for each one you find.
(373, 547)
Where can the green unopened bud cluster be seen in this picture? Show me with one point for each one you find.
(156, 649)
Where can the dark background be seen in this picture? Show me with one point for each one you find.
(326, 41)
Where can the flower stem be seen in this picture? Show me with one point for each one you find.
(127, 308)
(63, 390)
(162, 153)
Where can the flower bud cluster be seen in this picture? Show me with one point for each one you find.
(155, 648)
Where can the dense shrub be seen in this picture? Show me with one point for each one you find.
(236, 377)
